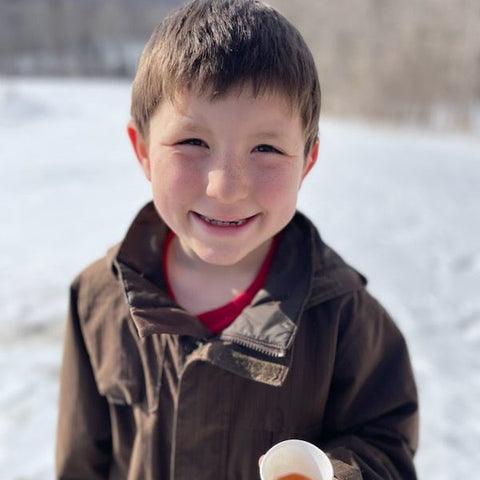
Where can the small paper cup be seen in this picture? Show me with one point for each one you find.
(295, 456)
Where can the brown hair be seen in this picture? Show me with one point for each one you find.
(213, 46)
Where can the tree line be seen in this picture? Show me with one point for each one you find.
(415, 60)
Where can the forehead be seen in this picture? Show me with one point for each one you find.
(243, 90)
(235, 107)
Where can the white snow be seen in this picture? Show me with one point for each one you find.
(403, 206)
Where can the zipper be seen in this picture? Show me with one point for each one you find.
(270, 351)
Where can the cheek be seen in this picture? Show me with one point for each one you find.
(279, 189)
(174, 181)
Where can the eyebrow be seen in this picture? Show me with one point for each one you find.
(263, 135)
(269, 134)
(192, 125)
(279, 135)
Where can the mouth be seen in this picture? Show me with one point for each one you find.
(224, 223)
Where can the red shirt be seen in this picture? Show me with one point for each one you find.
(219, 318)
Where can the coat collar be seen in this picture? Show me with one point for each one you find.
(304, 272)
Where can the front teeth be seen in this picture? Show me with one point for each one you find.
(221, 223)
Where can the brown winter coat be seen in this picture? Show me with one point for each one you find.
(148, 393)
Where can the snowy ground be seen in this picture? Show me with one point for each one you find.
(401, 205)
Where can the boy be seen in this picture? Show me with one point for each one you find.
(222, 324)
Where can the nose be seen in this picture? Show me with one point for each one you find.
(228, 181)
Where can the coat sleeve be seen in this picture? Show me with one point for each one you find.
(372, 412)
(83, 446)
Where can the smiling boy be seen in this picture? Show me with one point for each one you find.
(222, 324)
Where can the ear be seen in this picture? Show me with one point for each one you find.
(311, 158)
(140, 148)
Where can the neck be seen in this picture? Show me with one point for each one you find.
(200, 286)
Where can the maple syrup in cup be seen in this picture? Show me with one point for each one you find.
(295, 460)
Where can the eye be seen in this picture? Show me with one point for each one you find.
(194, 142)
(266, 149)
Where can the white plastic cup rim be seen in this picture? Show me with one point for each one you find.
(295, 456)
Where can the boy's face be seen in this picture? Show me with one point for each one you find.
(225, 174)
